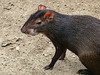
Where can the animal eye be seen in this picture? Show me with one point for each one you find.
(38, 23)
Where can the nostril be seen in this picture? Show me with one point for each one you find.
(23, 30)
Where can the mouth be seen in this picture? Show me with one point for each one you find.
(32, 32)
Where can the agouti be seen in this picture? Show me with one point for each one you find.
(78, 33)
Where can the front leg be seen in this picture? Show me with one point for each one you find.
(63, 55)
(58, 53)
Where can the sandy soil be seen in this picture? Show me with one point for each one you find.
(22, 54)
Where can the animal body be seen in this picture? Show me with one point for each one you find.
(78, 33)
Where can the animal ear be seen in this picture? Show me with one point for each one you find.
(49, 15)
(41, 7)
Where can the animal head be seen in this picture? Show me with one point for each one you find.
(38, 21)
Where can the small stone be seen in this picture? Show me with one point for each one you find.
(73, 56)
(18, 39)
(17, 48)
(45, 55)
(5, 44)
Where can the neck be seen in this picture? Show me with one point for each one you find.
(57, 26)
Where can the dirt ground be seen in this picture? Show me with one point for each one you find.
(22, 54)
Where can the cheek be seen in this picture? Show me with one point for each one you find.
(41, 29)
(36, 26)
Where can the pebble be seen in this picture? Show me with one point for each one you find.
(73, 56)
(17, 48)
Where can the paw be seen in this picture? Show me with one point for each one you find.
(84, 72)
(48, 67)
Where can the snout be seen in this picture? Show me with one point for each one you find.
(23, 30)
(28, 31)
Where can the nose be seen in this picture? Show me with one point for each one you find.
(23, 30)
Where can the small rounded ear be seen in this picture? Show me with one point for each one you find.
(49, 15)
(41, 7)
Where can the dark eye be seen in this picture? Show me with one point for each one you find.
(38, 23)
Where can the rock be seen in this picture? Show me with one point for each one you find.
(73, 56)
(17, 48)
(6, 43)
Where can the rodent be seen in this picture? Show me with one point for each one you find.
(78, 33)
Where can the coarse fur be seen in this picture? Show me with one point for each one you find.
(78, 33)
